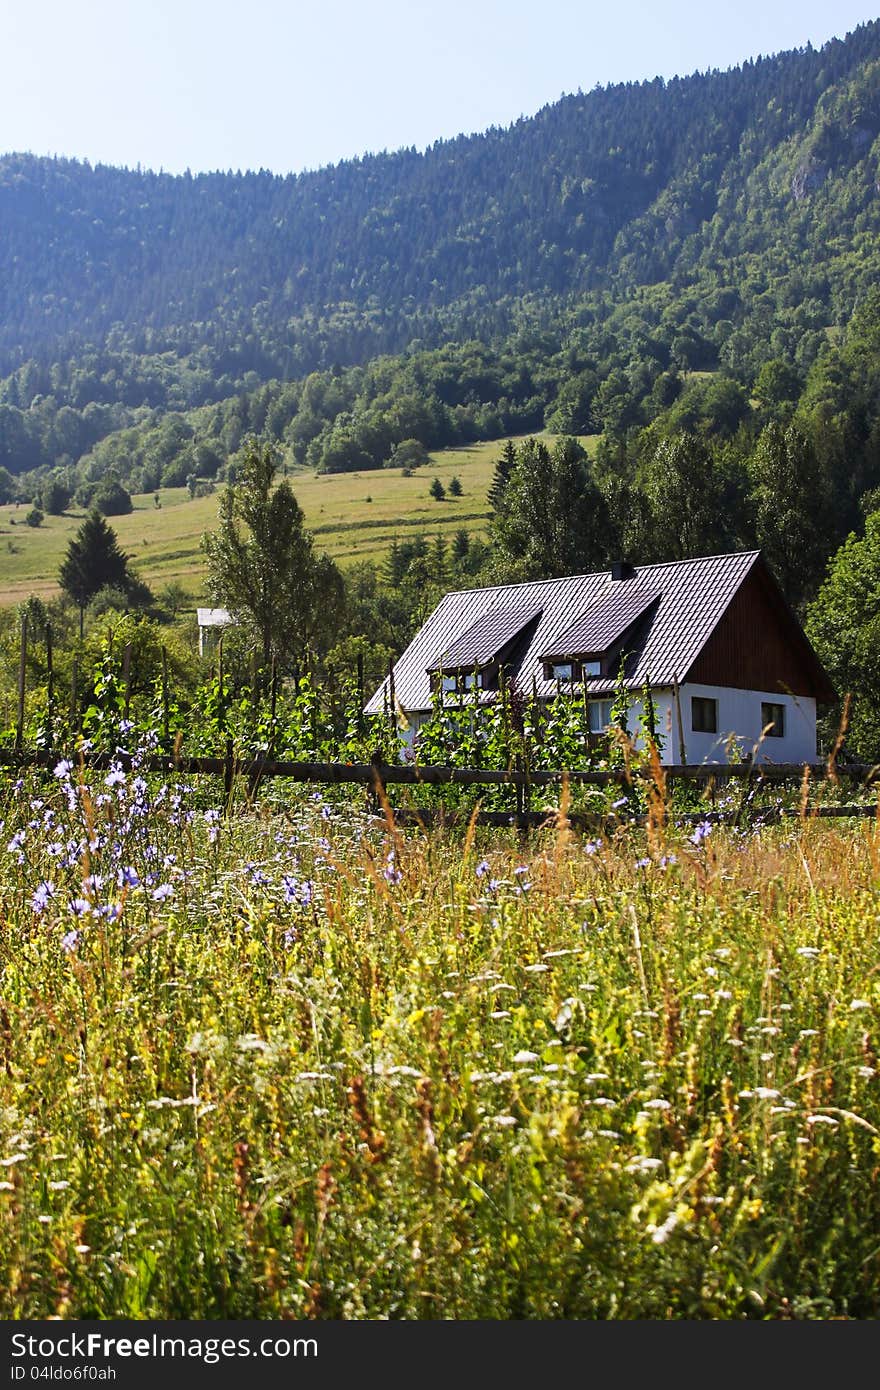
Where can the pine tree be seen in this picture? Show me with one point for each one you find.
(94, 562)
(501, 477)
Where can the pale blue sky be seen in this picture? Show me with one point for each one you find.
(281, 85)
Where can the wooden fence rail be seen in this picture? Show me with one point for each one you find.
(376, 776)
(387, 774)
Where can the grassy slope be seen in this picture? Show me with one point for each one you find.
(164, 541)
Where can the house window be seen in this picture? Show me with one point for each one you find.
(704, 715)
(592, 667)
(460, 681)
(599, 715)
(774, 716)
(562, 671)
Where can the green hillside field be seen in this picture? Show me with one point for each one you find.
(353, 516)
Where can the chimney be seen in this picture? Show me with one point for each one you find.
(622, 569)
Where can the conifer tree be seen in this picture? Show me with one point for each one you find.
(94, 562)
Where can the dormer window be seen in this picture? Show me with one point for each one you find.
(457, 682)
(592, 647)
(491, 645)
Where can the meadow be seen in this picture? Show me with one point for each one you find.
(353, 516)
(283, 1059)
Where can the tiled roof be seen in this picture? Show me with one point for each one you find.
(602, 624)
(487, 637)
(693, 595)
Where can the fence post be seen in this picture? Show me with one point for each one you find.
(19, 726)
(360, 694)
(377, 789)
(682, 751)
(50, 690)
(165, 730)
(126, 676)
(228, 771)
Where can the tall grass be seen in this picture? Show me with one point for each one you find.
(303, 1064)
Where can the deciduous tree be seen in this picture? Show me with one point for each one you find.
(262, 565)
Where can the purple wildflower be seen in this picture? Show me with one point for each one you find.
(41, 897)
(701, 832)
(63, 769)
(70, 940)
(391, 873)
(165, 890)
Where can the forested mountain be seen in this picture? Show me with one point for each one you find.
(104, 272)
(695, 256)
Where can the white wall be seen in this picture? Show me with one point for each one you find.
(739, 715)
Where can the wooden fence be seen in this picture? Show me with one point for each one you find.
(377, 776)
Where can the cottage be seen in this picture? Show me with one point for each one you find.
(713, 640)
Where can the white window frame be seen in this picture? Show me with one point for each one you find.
(599, 715)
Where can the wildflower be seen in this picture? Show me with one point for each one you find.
(391, 873)
(667, 860)
(856, 1004)
(16, 843)
(658, 1104)
(701, 832)
(115, 777)
(41, 897)
(644, 1164)
(642, 863)
(70, 940)
(482, 868)
(616, 805)
(128, 878)
(63, 769)
(661, 1234)
(592, 846)
(524, 1057)
(78, 906)
(810, 952)
(164, 891)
